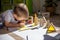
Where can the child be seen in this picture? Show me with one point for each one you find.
(13, 18)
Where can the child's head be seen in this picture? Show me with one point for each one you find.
(21, 11)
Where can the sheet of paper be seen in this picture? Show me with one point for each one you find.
(36, 34)
(53, 34)
(21, 33)
(6, 37)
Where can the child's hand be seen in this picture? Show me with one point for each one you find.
(22, 23)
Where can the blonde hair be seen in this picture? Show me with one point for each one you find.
(21, 8)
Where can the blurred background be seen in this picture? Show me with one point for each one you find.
(33, 5)
(42, 6)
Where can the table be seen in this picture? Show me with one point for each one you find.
(32, 34)
(36, 34)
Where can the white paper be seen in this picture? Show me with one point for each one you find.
(36, 34)
(6, 37)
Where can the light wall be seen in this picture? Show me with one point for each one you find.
(58, 8)
(38, 5)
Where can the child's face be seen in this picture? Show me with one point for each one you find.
(19, 17)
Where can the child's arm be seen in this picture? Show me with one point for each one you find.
(8, 24)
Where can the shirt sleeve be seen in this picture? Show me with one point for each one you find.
(7, 16)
